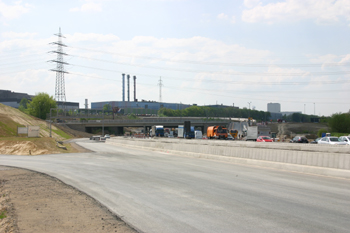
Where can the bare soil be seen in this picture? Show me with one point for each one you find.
(292, 129)
(33, 146)
(34, 202)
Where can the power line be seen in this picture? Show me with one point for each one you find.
(264, 74)
(223, 81)
(332, 64)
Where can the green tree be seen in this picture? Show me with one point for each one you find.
(23, 105)
(41, 105)
(107, 107)
(340, 122)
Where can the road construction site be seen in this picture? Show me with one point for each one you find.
(309, 158)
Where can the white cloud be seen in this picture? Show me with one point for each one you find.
(251, 3)
(13, 11)
(346, 59)
(233, 19)
(89, 6)
(92, 37)
(195, 48)
(322, 11)
(222, 16)
(225, 17)
(17, 35)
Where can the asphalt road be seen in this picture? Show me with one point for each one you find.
(159, 192)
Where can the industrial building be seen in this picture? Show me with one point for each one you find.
(67, 105)
(147, 105)
(13, 99)
(274, 107)
(137, 107)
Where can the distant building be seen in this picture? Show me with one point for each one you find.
(67, 105)
(140, 105)
(274, 107)
(13, 99)
(275, 115)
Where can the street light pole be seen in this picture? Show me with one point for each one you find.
(50, 122)
(103, 126)
(249, 113)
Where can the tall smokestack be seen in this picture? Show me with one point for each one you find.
(86, 104)
(123, 95)
(135, 89)
(128, 88)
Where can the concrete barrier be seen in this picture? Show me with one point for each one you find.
(296, 157)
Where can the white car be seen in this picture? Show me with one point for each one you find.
(345, 139)
(331, 141)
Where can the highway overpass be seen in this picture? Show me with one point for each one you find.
(147, 122)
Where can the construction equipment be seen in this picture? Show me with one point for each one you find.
(217, 132)
(234, 133)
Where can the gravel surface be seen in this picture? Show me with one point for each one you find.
(34, 202)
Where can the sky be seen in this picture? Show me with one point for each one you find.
(245, 53)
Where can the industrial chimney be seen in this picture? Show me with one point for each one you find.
(135, 100)
(123, 97)
(128, 76)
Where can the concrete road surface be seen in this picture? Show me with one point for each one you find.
(159, 192)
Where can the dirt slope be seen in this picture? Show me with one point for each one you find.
(10, 118)
(289, 129)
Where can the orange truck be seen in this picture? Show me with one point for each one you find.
(217, 131)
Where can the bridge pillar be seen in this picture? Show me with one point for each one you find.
(119, 131)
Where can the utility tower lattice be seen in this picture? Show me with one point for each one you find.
(160, 84)
(60, 93)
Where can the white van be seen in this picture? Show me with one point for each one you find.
(198, 134)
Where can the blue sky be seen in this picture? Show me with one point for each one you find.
(294, 52)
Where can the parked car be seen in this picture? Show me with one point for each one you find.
(331, 141)
(299, 139)
(264, 139)
(345, 139)
(107, 136)
(97, 137)
(315, 141)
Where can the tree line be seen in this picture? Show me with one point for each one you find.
(212, 112)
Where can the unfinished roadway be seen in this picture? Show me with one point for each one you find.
(155, 186)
